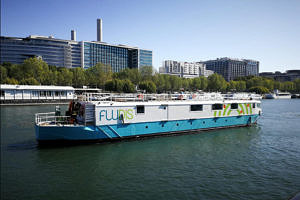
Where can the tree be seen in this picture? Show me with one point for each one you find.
(64, 77)
(51, 78)
(29, 81)
(116, 85)
(232, 85)
(34, 67)
(98, 75)
(259, 90)
(175, 83)
(146, 72)
(78, 77)
(11, 81)
(297, 85)
(241, 86)
(288, 86)
(216, 82)
(133, 75)
(149, 86)
(199, 83)
(3, 74)
(128, 86)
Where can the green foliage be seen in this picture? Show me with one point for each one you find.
(98, 75)
(128, 87)
(118, 85)
(199, 83)
(287, 86)
(133, 75)
(35, 71)
(78, 77)
(297, 85)
(216, 82)
(29, 81)
(3, 74)
(238, 86)
(11, 81)
(259, 90)
(146, 72)
(64, 76)
(149, 86)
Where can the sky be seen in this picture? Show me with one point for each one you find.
(182, 30)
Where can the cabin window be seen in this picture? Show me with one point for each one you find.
(234, 106)
(2, 93)
(140, 109)
(217, 107)
(35, 93)
(254, 105)
(42, 93)
(49, 93)
(197, 107)
(57, 93)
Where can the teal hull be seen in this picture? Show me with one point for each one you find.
(122, 131)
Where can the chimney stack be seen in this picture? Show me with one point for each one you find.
(73, 35)
(99, 30)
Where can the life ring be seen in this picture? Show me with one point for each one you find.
(180, 97)
(140, 96)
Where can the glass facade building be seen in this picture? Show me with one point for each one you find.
(61, 53)
(145, 58)
(70, 53)
(115, 56)
(233, 68)
(118, 57)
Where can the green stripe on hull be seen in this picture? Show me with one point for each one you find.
(228, 112)
(246, 107)
(242, 109)
(226, 109)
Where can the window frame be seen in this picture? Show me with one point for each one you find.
(138, 107)
(237, 106)
(197, 107)
(212, 106)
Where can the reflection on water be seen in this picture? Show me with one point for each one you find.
(258, 162)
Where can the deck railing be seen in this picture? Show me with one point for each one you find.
(51, 118)
(150, 97)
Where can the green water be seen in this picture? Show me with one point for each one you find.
(259, 162)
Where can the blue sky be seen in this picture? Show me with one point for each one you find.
(183, 30)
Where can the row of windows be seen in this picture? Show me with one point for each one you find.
(39, 93)
(199, 107)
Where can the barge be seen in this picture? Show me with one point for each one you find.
(144, 115)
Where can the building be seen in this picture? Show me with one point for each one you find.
(61, 53)
(72, 53)
(289, 75)
(118, 57)
(232, 68)
(185, 69)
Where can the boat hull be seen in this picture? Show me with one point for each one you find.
(131, 130)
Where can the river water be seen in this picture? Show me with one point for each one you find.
(258, 162)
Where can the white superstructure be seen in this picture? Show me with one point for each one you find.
(36, 92)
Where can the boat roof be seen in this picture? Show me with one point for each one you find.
(35, 87)
(172, 102)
